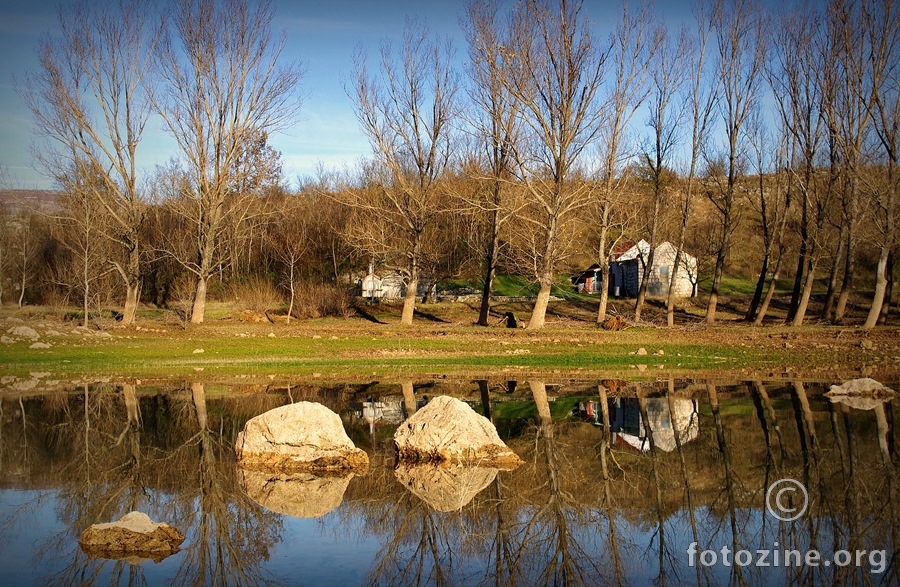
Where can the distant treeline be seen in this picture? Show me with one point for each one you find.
(760, 143)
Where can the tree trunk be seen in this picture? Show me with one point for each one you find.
(764, 307)
(881, 282)
(539, 312)
(539, 393)
(604, 268)
(409, 301)
(801, 261)
(760, 285)
(132, 283)
(198, 310)
(714, 292)
(804, 297)
(293, 291)
(198, 395)
(642, 289)
(670, 295)
(828, 306)
(490, 272)
(888, 294)
(409, 397)
(847, 283)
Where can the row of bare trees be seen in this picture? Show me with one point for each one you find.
(748, 139)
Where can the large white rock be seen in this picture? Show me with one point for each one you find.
(301, 436)
(132, 534)
(865, 386)
(447, 429)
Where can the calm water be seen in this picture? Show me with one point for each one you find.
(672, 491)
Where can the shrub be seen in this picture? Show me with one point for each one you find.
(314, 300)
(256, 293)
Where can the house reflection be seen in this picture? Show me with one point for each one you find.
(627, 428)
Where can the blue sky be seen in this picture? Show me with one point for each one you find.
(321, 34)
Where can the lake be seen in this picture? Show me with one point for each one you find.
(624, 483)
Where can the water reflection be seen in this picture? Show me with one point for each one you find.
(612, 493)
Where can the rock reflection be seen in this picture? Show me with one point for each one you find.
(300, 495)
(445, 488)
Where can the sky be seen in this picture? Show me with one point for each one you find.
(322, 35)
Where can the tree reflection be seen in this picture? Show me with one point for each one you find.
(551, 550)
(231, 535)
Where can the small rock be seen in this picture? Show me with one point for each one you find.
(39, 345)
(133, 534)
(7, 340)
(198, 351)
(642, 367)
(271, 335)
(867, 344)
(660, 353)
(642, 351)
(24, 332)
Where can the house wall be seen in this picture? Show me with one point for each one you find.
(628, 274)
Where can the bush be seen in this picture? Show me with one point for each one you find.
(257, 294)
(314, 300)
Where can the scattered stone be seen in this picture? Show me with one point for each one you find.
(39, 375)
(103, 334)
(642, 351)
(133, 534)
(642, 367)
(24, 332)
(660, 353)
(300, 494)
(445, 488)
(198, 351)
(305, 436)
(271, 335)
(40, 345)
(449, 430)
(25, 384)
(867, 344)
(7, 340)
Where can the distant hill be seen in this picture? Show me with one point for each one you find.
(15, 200)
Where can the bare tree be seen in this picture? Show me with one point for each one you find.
(406, 112)
(633, 48)
(26, 245)
(90, 102)
(738, 26)
(665, 117)
(845, 106)
(82, 235)
(223, 85)
(700, 104)
(555, 71)
(797, 89)
(497, 125)
(290, 243)
(882, 27)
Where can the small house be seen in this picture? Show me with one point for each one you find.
(626, 271)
